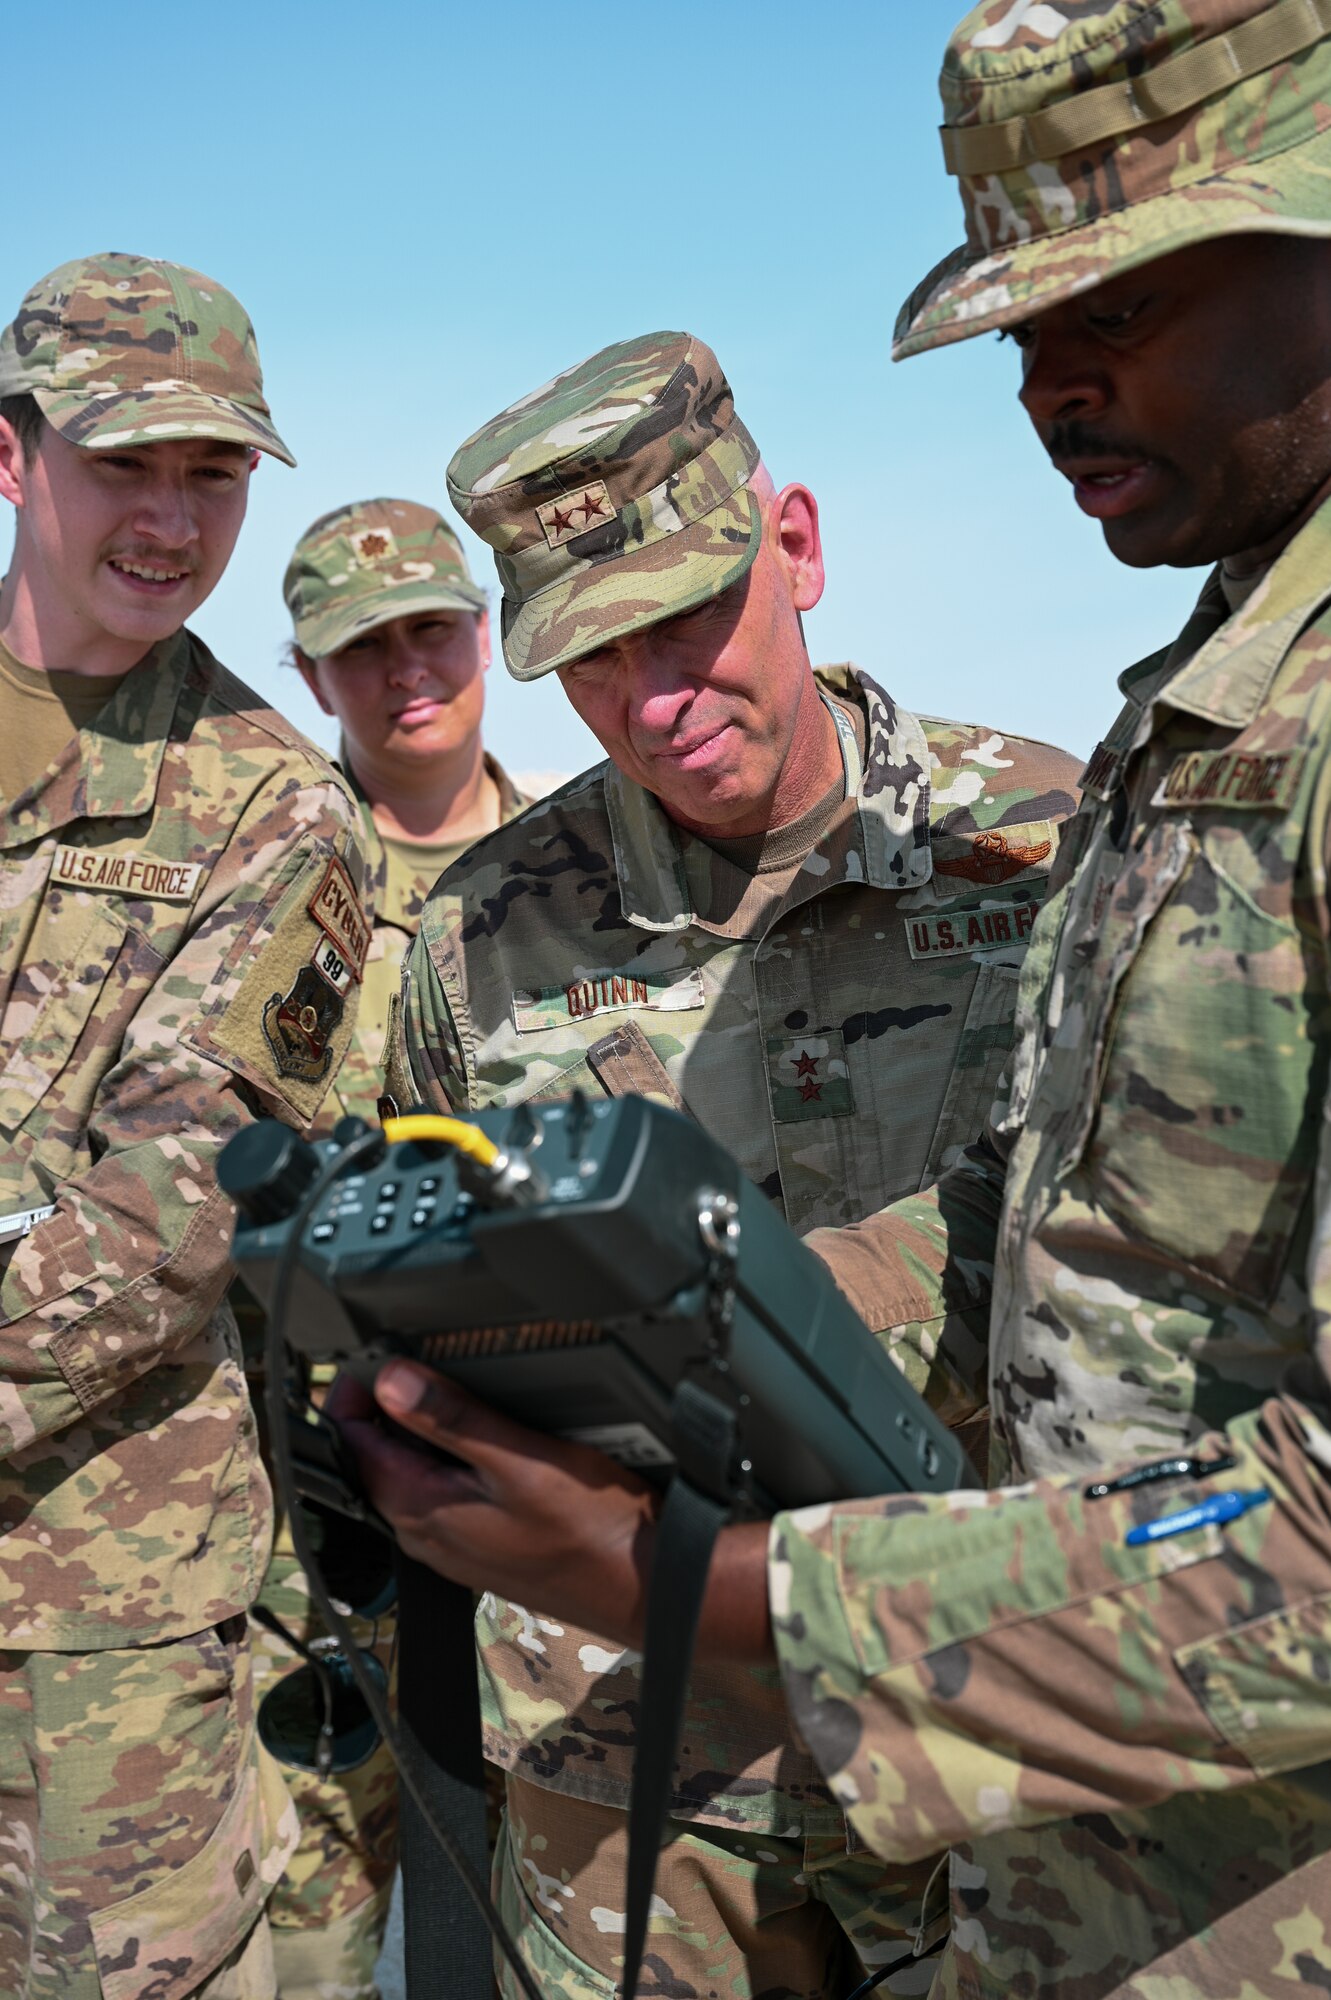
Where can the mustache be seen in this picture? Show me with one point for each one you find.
(1077, 440)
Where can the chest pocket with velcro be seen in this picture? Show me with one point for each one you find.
(53, 1001)
(1203, 1080)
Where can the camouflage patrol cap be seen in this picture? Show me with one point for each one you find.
(362, 565)
(121, 350)
(612, 497)
(1091, 138)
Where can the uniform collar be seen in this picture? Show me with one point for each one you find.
(377, 888)
(1225, 675)
(109, 769)
(882, 838)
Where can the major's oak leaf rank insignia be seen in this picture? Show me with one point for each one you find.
(373, 544)
(298, 1025)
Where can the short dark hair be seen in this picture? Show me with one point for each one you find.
(24, 413)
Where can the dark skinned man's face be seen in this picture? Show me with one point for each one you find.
(1190, 401)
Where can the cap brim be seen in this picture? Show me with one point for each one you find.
(973, 292)
(146, 416)
(341, 622)
(629, 592)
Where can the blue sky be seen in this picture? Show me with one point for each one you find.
(430, 209)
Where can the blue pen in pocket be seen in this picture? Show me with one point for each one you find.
(1217, 1509)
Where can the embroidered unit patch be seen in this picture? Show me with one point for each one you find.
(336, 909)
(299, 1024)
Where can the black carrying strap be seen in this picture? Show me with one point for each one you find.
(697, 1506)
(447, 1942)
(686, 1534)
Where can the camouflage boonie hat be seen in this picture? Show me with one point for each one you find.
(612, 497)
(121, 350)
(1091, 138)
(362, 565)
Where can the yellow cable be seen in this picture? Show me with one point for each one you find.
(468, 1139)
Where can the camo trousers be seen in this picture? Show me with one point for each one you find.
(735, 1915)
(329, 1911)
(141, 1827)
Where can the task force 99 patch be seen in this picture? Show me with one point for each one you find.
(287, 1026)
(300, 1023)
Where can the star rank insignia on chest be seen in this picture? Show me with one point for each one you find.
(809, 1077)
(573, 513)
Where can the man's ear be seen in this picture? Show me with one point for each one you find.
(13, 466)
(793, 526)
(483, 639)
(309, 673)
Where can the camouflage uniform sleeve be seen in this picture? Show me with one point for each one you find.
(920, 1276)
(978, 1662)
(428, 1044)
(135, 1259)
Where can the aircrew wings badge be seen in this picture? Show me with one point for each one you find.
(994, 858)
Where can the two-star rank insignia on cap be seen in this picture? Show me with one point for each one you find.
(573, 513)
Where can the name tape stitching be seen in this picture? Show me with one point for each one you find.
(129, 873)
(970, 930)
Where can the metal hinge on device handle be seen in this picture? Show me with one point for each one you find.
(704, 1419)
(718, 1226)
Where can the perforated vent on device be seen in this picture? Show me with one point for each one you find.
(524, 1338)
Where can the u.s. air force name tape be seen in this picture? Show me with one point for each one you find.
(1247, 780)
(970, 930)
(127, 873)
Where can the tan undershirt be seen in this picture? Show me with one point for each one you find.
(1238, 589)
(732, 882)
(39, 712)
(785, 847)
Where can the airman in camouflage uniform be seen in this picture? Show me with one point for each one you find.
(175, 875)
(379, 593)
(1124, 1741)
(832, 997)
(391, 635)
